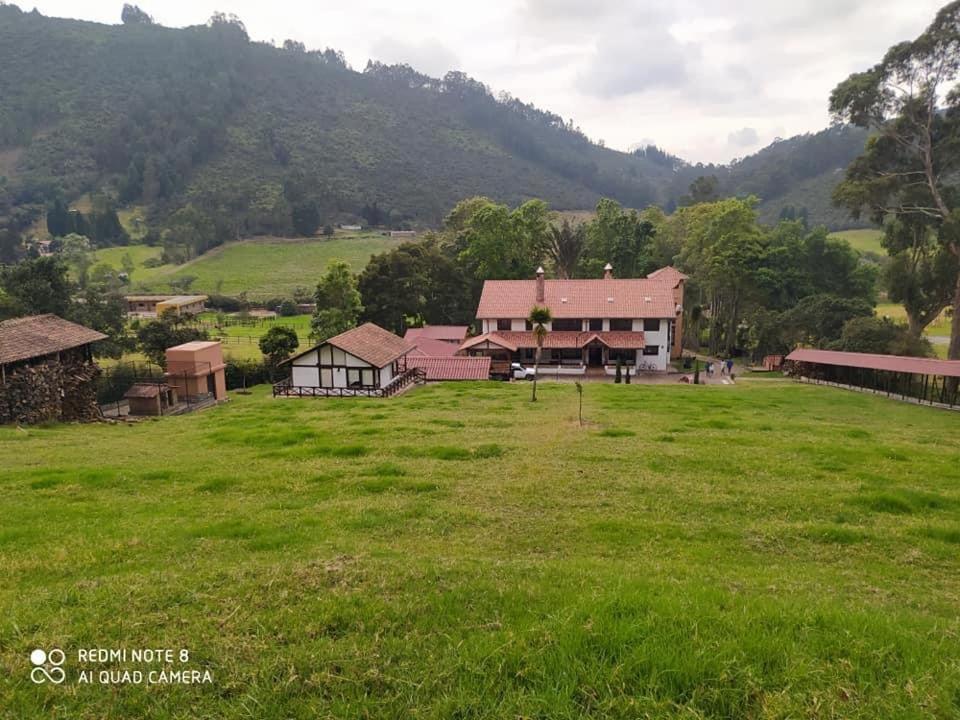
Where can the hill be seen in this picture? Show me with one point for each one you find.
(461, 552)
(263, 268)
(265, 139)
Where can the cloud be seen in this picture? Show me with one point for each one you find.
(430, 57)
(744, 137)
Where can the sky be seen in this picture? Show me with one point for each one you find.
(708, 80)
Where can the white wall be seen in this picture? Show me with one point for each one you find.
(305, 373)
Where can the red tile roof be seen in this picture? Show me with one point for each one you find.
(40, 335)
(493, 338)
(559, 339)
(145, 390)
(369, 342)
(435, 348)
(450, 333)
(452, 368)
(669, 275)
(637, 298)
(871, 361)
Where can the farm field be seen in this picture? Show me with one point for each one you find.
(262, 267)
(864, 240)
(764, 550)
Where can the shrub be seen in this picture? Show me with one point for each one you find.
(245, 373)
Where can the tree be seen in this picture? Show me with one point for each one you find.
(306, 218)
(338, 302)
(704, 189)
(819, 319)
(880, 335)
(921, 272)
(620, 237)
(154, 337)
(39, 286)
(76, 251)
(539, 317)
(565, 247)
(497, 242)
(133, 15)
(908, 170)
(417, 281)
(279, 343)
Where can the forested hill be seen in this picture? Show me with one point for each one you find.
(257, 137)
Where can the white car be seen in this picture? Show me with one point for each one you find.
(519, 372)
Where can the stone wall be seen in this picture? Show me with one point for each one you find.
(50, 392)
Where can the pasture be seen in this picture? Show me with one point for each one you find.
(262, 267)
(766, 550)
(865, 240)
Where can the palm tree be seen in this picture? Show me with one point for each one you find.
(565, 247)
(539, 317)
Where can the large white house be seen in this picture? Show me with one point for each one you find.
(366, 360)
(595, 323)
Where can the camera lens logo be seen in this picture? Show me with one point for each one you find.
(46, 666)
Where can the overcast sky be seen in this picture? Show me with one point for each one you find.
(709, 80)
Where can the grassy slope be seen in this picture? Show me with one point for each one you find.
(866, 240)
(768, 550)
(264, 267)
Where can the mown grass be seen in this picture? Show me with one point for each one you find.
(763, 550)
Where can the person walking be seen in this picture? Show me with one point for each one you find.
(729, 367)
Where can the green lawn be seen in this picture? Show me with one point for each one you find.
(867, 240)
(769, 550)
(263, 268)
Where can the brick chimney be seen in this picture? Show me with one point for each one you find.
(608, 272)
(540, 291)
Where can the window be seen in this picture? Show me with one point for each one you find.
(353, 377)
(573, 324)
(503, 325)
(528, 325)
(651, 350)
(596, 324)
(571, 356)
(651, 324)
(621, 324)
(627, 357)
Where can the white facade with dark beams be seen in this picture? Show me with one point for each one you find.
(367, 360)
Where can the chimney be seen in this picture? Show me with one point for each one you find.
(540, 293)
(608, 272)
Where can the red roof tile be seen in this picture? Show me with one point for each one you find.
(871, 361)
(433, 348)
(452, 368)
(450, 333)
(559, 339)
(40, 335)
(669, 275)
(636, 298)
(494, 338)
(369, 342)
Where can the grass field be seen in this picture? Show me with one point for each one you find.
(867, 240)
(263, 267)
(768, 550)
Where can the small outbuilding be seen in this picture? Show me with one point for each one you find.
(47, 371)
(146, 398)
(366, 360)
(196, 371)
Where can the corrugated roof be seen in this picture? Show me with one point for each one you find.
(39, 335)
(871, 361)
(436, 348)
(450, 333)
(635, 298)
(452, 368)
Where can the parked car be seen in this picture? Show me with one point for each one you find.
(520, 372)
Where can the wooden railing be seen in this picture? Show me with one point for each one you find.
(286, 388)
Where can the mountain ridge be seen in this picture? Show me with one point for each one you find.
(252, 134)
